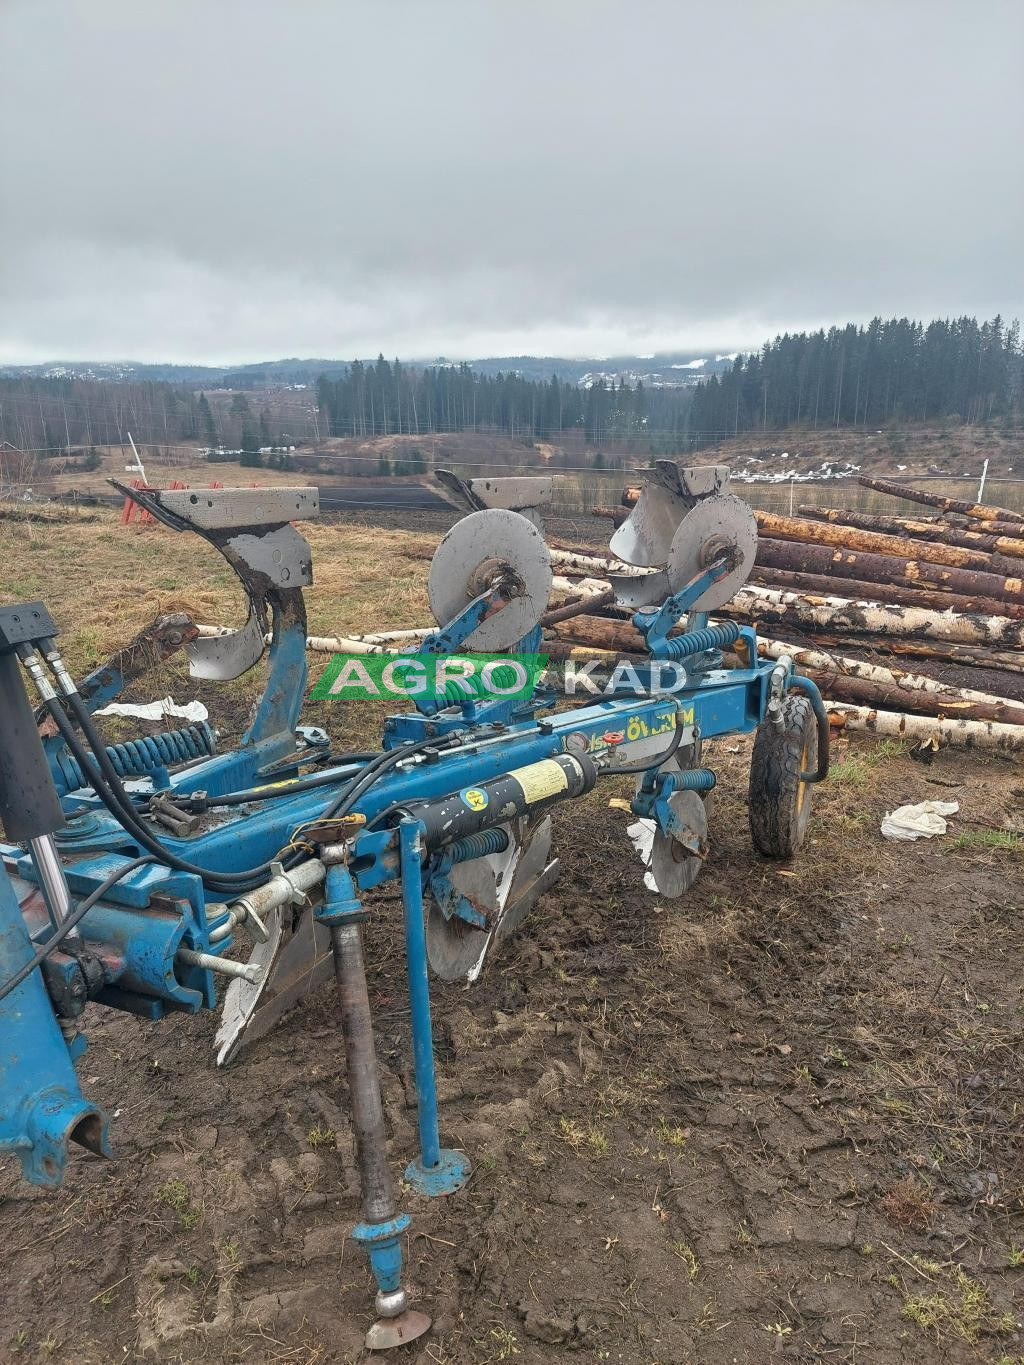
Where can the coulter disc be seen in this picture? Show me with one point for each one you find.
(675, 866)
(478, 549)
(714, 522)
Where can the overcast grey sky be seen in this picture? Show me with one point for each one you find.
(230, 180)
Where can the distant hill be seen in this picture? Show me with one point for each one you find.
(671, 370)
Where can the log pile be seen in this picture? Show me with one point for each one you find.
(858, 593)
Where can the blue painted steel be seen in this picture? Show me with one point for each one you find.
(137, 937)
(382, 1243)
(656, 622)
(140, 757)
(437, 1171)
(652, 798)
(341, 904)
(42, 1108)
(450, 1174)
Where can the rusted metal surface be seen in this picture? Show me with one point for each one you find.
(152, 646)
(942, 534)
(876, 568)
(969, 509)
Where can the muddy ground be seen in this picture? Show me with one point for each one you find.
(781, 1118)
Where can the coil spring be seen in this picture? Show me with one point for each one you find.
(478, 845)
(694, 780)
(697, 641)
(137, 757)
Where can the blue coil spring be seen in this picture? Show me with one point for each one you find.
(478, 845)
(137, 757)
(697, 641)
(694, 780)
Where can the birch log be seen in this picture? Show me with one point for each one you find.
(865, 618)
(1011, 546)
(933, 598)
(576, 562)
(969, 509)
(944, 651)
(831, 666)
(970, 734)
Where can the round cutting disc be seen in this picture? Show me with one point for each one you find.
(477, 546)
(454, 946)
(673, 866)
(723, 518)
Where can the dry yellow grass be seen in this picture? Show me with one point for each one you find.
(103, 581)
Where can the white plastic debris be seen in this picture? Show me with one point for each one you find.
(923, 821)
(642, 835)
(156, 710)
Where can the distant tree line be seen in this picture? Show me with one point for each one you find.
(51, 417)
(889, 371)
(390, 398)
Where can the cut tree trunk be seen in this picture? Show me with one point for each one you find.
(913, 573)
(577, 562)
(933, 598)
(864, 618)
(944, 652)
(617, 515)
(597, 631)
(969, 509)
(1011, 546)
(843, 687)
(775, 527)
(995, 527)
(582, 606)
(971, 734)
(892, 677)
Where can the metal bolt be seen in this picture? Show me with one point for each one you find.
(247, 971)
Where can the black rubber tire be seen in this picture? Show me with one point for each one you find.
(780, 804)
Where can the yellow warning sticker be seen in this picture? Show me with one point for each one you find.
(541, 780)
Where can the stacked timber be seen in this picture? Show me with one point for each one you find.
(944, 588)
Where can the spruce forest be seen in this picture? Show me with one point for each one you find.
(888, 372)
